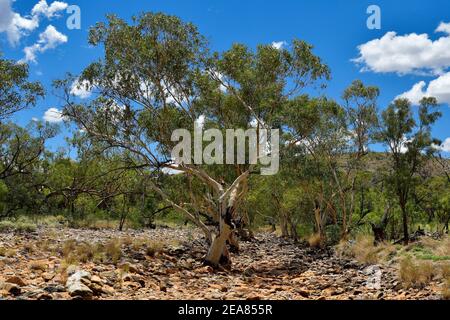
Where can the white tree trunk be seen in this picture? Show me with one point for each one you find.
(218, 253)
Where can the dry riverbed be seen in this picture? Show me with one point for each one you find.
(166, 263)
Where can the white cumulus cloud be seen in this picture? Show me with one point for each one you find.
(49, 39)
(279, 44)
(446, 145)
(53, 115)
(412, 54)
(81, 89)
(407, 54)
(443, 27)
(42, 8)
(438, 88)
(13, 24)
(16, 26)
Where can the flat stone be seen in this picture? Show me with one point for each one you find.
(16, 280)
(79, 290)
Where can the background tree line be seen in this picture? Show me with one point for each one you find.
(159, 74)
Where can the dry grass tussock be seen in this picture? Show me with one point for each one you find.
(112, 251)
(419, 263)
(446, 290)
(365, 251)
(315, 240)
(416, 274)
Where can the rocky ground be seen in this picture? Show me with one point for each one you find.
(62, 263)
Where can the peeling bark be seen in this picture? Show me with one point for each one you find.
(218, 253)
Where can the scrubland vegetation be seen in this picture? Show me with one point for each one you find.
(158, 74)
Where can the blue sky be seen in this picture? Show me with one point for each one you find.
(396, 63)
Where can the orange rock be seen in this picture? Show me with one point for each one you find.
(205, 269)
(47, 276)
(16, 280)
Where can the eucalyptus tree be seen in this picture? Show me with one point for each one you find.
(158, 75)
(432, 198)
(410, 146)
(336, 139)
(317, 133)
(360, 103)
(22, 151)
(16, 91)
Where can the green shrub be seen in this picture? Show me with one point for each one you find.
(21, 225)
(6, 226)
(25, 227)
